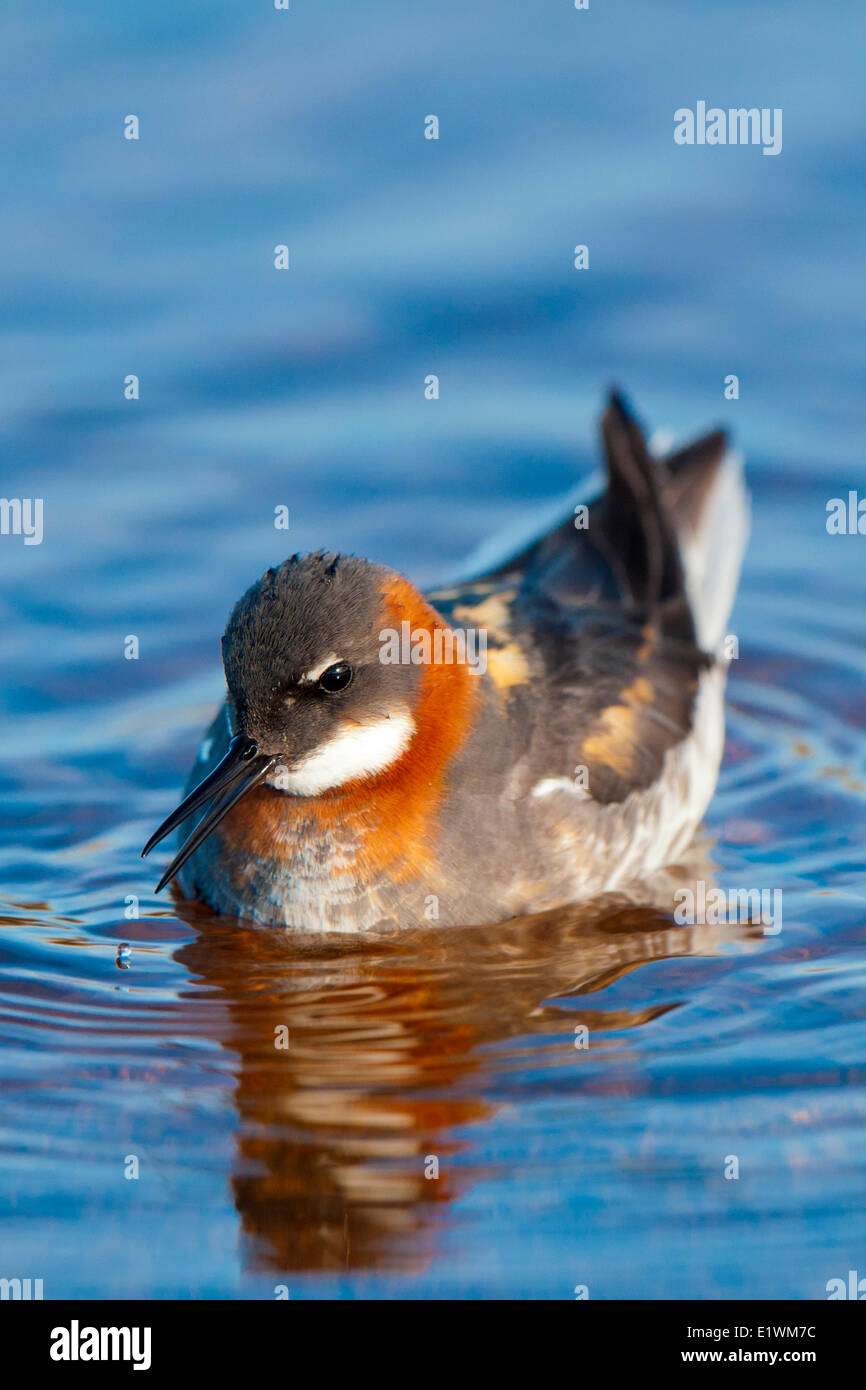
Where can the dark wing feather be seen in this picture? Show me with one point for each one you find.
(602, 615)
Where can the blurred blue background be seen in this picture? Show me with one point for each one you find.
(306, 388)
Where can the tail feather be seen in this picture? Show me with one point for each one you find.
(672, 531)
(640, 539)
(710, 506)
(679, 524)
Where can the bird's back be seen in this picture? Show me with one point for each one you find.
(600, 630)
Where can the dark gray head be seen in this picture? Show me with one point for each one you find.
(302, 656)
(313, 701)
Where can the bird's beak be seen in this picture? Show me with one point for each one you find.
(241, 768)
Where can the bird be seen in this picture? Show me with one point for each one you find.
(535, 735)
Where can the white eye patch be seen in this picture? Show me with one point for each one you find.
(356, 751)
(313, 674)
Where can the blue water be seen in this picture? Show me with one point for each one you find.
(305, 388)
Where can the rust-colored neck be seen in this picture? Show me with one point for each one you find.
(391, 818)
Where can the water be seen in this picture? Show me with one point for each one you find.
(306, 1167)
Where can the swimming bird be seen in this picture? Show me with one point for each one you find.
(546, 731)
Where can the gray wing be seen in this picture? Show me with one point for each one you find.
(590, 629)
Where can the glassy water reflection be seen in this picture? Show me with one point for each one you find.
(361, 1064)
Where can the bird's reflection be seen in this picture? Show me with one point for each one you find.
(361, 1059)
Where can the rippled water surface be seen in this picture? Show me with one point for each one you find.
(558, 1166)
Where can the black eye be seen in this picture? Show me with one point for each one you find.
(337, 677)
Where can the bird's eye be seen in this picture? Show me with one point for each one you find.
(337, 677)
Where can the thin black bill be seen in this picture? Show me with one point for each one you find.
(239, 771)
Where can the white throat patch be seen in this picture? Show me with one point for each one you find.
(359, 751)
